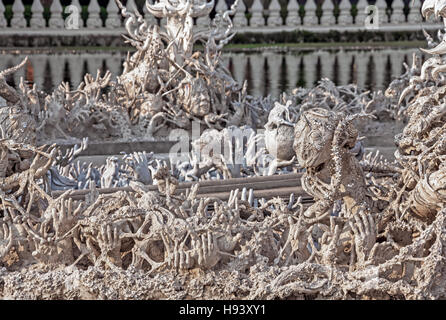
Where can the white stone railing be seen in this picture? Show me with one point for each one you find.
(267, 72)
(256, 18)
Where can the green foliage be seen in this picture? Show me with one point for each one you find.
(103, 14)
(8, 13)
(27, 13)
(46, 13)
(302, 10)
(84, 13)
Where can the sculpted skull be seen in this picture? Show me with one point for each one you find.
(279, 132)
(314, 135)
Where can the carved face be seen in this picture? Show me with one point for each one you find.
(143, 74)
(313, 136)
(194, 97)
(152, 105)
(279, 135)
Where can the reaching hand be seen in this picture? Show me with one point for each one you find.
(364, 235)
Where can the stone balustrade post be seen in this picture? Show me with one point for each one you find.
(78, 6)
(113, 15)
(382, 10)
(414, 12)
(361, 13)
(328, 18)
(94, 19)
(345, 17)
(398, 15)
(221, 7)
(239, 19)
(3, 22)
(310, 18)
(274, 18)
(257, 19)
(37, 20)
(18, 18)
(56, 20)
(293, 18)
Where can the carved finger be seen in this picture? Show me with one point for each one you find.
(354, 228)
(359, 224)
(176, 257)
(210, 244)
(372, 224)
(251, 197)
(365, 222)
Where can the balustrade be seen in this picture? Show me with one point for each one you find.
(260, 16)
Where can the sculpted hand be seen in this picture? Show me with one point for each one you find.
(329, 243)
(364, 235)
(110, 244)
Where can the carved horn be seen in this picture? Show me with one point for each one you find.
(202, 10)
(156, 9)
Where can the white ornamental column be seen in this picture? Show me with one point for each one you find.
(361, 61)
(310, 62)
(327, 64)
(292, 65)
(382, 6)
(94, 19)
(345, 15)
(95, 63)
(75, 63)
(257, 73)
(328, 19)
(239, 19)
(78, 6)
(397, 60)
(415, 12)
(274, 18)
(380, 61)
(114, 64)
(56, 21)
(274, 64)
(221, 7)
(398, 13)
(293, 18)
(57, 63)
(310, 18)
(113, 15)
(37, 21)
(3, 22)
(239, 67)
(257, 19)
(18, 19)
(38, 62)
(361, 13)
